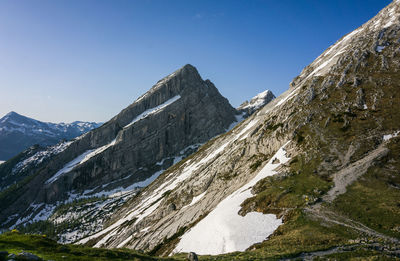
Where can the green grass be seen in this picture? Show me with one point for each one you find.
(15, 242)
(295, 189)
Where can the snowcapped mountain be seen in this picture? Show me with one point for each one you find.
(258, 101)
(18, 132)
(314, 169)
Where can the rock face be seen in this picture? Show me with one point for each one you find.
(314, 139)
(257, 102)
(18, 133)
(160, 128)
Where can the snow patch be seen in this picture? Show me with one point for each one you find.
(97, 151)
(223, 230)
(125, 242)
(79, 160)
(288, 97)
(154, 110)
(380, 48)
(68, 167)
(239, 119)
(44, 213)
(390, 136)
(40, 156)
(245, 129)
(257, 101)
(197, 198)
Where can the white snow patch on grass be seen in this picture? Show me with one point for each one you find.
(390, 136)
(224, 230)
(2, 161)
(154, 110)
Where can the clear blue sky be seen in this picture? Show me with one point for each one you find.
(87, 60)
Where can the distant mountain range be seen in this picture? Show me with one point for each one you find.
(18, 133)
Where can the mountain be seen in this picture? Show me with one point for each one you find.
(108, 165)
(257, 102)
(314, 173)
(18, 132)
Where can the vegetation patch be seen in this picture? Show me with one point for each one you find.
(295, 189)
(48, 249)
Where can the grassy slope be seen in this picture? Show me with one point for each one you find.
(48, 249)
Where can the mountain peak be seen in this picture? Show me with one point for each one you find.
(187, 70)
(256, 102)
(189, 67)
(12, 113)
(188, 73)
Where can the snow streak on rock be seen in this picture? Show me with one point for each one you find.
(153, 110)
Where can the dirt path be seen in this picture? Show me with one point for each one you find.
(393, 253)
(351, 173)
(342, 179)
(335, 218)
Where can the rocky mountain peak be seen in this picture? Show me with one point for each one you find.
(187, 73)
(258, 101)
